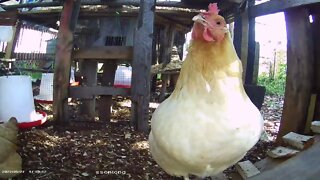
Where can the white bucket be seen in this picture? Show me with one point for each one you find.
(46, 87)
(16, 99)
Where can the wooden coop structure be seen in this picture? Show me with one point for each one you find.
(119, 31)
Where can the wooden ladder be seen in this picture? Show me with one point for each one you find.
(141, 55)
(89, 90)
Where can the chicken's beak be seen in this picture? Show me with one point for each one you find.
(200, 19)
(225, 29)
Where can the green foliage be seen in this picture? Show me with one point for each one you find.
(274, 85)
(33, 75)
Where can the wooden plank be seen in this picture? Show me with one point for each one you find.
(105, 101)
(246, 169)
(298, 141)
(33, 70)
(251, 47)
(11, 44)
(316, 37)
(8, 18)
(88, 70)
(300, 72)
(269, 163)
(303, 166)
(282, 152)
(315, 127)
(104, 52)
(311, 110)
(63, 60)
(275, 6)
(91, 91)
(256, 64)
(141, 65)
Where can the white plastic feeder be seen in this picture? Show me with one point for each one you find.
(46, 88)
(16, 99)
(123, 77)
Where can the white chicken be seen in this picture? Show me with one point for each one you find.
(208, 123)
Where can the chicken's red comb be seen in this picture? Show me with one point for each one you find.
(212, 9)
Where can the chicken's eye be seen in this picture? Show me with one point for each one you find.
(218, 23)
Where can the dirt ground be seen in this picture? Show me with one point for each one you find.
(95, 150)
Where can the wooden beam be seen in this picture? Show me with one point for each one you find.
(8, 18)
(63, 60)
(251, 47)
(241, 38)
(11, 44)
(111, 3)
(304, 166)
(91, 91)
(300, 70)
(104, 52)
(275, 6)
(256, 64)
(105, 101)
(179, 27)
(316, 37)
(141, 65)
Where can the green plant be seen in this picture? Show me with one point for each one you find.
(274, 85)
(28, 65)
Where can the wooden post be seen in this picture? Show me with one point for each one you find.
(299, 71)
(166, 44)
(142, 55)
(105, 102)
(89, 72)
(63, 60)
(251, 47)
(240, 39)
(164, 85)
(256, 64)
(316, 37)
(154, 59)
(11, 44)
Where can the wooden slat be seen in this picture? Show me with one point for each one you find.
(63, 60)
(91, 91)
(300, 72)
(304, 166)
(105, 53)
(275, 6)
(141, 65)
